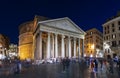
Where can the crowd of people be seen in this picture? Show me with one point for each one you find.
(108, 65)
(14, 66)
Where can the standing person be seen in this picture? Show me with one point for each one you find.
(92, 65)
(110, 61)
(96, 65)
(118, 63)
(101, 64)
(17, 66)
(0, 63)
(63, 64)
(67, 63)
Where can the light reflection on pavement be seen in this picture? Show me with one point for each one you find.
(55, 71)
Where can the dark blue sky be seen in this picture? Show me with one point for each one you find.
(85, 13)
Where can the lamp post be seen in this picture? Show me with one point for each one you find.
(79, 50)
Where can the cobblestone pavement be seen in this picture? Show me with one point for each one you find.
(55, 71)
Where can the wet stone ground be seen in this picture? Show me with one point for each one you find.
(75, 70)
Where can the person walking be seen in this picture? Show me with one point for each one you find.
(17, 66)
(92, 66)
(63, 64)
(110, 61)
(96, 65)
(67, 63)
(101, 64)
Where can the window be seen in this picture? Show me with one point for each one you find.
(112, 25)
(113, 36)
(105, 50)
(0, 47)
(105, 32)
(113, 30)
(108, 27)
(114, 44)
(118, 22)
(119, 34)
(119, 42)
(119, 28)
(104, 38)
(105, 28)
(91, 33)
(90, 36)
(96, 41)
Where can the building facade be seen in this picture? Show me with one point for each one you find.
(111, 34)
(13, 50)
(26, 37)
(4, 45)
(45, 38)
(26, 40)
(93, 43)
(58, 38)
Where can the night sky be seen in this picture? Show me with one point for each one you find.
(85, 13)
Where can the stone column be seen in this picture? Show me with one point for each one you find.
(69, 42)
(37, 49)
(53, 54)
(78, 47)
(40, 34)
(37, 46)
(48, 46)
(75, 47)
(56, 46)
(82, 55)
(63, 47)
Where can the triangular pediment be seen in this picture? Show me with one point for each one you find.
(64, 24)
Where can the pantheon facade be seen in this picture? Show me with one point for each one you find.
(53, 38)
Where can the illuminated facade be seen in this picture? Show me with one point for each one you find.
(26, 40)
(111, 34)
(50, 38)
(93, 43)
(13, 50)
(26, 29)
(4, 45)
(58, 38)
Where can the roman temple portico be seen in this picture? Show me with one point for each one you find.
(58, 38)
